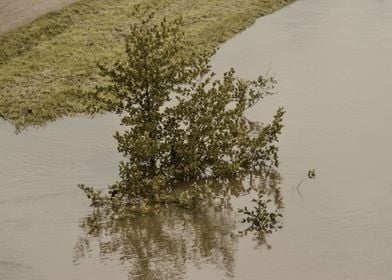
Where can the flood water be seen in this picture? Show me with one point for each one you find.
(333, 62)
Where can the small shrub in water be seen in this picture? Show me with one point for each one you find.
(182, 125)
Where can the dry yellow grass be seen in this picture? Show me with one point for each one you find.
(47, 67)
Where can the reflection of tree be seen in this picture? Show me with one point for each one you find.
(159, 246)
(264, 215)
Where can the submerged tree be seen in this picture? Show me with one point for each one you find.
(182, 125)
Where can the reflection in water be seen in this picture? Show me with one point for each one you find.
(333, 62)
(161, 245)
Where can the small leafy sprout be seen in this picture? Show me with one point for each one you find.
(312, 174)
(260, 220)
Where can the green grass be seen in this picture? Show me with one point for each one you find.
(48, 67)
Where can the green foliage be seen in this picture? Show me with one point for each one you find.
(260, 219)
(181, 123)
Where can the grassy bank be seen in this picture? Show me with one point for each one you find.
(47, 67)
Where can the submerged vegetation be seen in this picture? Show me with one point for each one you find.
(182, 125)
(185, 140)
(48, 67)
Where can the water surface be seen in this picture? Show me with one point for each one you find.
(333, 63)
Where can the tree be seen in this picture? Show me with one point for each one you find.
(182, 124)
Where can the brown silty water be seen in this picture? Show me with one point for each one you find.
(333, 61)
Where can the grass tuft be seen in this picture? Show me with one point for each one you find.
(48, 67)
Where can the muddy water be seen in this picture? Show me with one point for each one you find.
(333, 63)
